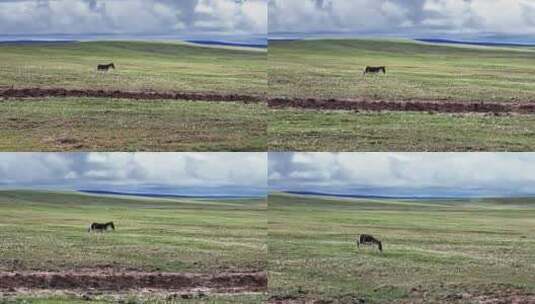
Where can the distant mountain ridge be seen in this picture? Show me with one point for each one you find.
(370, 196)
(37, 41)
(164, 195)
(479, 43)
(224, 43)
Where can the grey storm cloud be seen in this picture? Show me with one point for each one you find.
(496, 173)
(401, 17)
(38, 17)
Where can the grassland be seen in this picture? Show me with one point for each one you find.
(47, 231)
(91, 124)
(164, 235)
(415, 71)
(96, 124)
(309, 130)
(449, 251)
(140, 66)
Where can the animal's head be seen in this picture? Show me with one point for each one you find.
(112, 226)
(380, 246)
(112, 66)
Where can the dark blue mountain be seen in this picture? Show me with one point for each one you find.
(214, 42)
(27, 42)
(480, 43)
(312, 193)
(165, 195)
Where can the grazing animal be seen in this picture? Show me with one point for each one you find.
(374, 70)
(367, 239)
(100, 227)
(105, 67)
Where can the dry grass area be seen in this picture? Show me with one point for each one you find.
(96, 124)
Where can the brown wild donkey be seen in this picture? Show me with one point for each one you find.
(374, 70)
(367, 239)
(101, 227)
(105, 67)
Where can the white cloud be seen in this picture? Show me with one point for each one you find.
(506, 172)
(165, 17)
(405, 18)
(168, 169)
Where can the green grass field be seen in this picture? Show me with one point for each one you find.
(47, 231)
(140, 66)
(93, 124)
(309, 130)
(165, 235)
(415, 71)
(434, 251)
(102, 124)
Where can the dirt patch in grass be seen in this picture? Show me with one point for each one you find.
(303, 297)
(342, 299)
(61, 92)
(413, 106)
(488, 294)
(131, 280)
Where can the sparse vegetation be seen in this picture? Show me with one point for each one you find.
(309, 130)
(187, 235)
(47, 231)
(96, 124)
(438, 251)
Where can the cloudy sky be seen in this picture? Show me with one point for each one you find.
(133, 17)
(412, 18)
(405, 174)
(172, 173)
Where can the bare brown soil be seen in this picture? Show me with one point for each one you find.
(130, 280)
(415, 106)
(61, 92)
(304, 103)
(487, 294)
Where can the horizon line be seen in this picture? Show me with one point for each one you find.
(393, 197)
